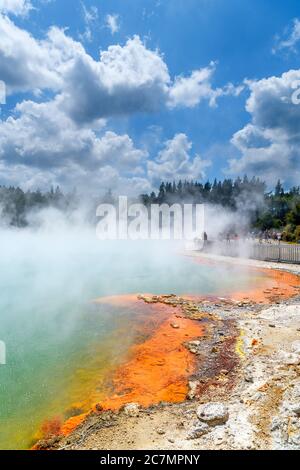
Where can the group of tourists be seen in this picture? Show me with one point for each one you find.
(267, 236)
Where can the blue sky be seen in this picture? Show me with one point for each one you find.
(215, 99)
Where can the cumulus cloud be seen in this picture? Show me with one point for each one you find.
(132, 79)
(112, 22)
(291, 40)
(190, 91)
(41, 145)
(270, 143)
(42, 140)
(72, 175)
(15, 7)
(64, 139)
(27, 64)
(175, 162)
(125, 80)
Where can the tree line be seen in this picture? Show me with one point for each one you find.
(16, 205)
(278, 209)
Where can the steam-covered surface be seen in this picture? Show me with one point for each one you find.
(62, 348)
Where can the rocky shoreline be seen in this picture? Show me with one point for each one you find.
(243, 394)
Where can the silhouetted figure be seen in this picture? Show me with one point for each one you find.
(279, 238)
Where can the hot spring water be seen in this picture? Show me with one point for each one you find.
(61, 348)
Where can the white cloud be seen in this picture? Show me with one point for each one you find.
(63, 140)
(125, 80)
(190, 91)
(175, 162)
(291, 40)
(89, 14)
(270, 143)
(41, 146)
(133, 79)
(41, 139)
(15, 7)
(90, 17)
(112, 22)
(27, 64)
(70, 176)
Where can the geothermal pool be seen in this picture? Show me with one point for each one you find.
(62, 349)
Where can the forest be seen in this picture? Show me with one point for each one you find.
(277, 209)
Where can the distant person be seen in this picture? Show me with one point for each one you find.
(205, 239)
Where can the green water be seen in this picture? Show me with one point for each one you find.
(56, 340)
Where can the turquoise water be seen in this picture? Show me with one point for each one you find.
(60, 347)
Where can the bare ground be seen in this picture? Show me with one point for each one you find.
(261, 391)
